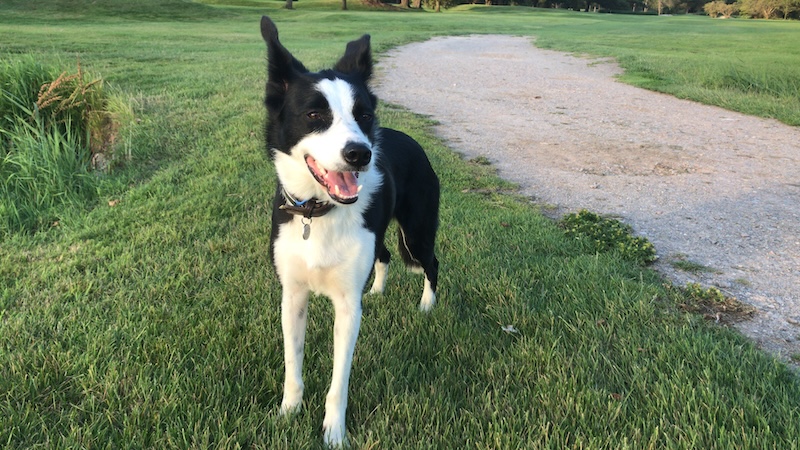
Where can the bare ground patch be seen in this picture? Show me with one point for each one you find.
(713, 187)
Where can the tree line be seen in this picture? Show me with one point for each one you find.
(757, 9)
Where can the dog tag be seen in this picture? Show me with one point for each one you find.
(306, 231)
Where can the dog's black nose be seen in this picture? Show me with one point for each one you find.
(357, 154)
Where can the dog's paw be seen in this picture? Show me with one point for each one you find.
(333, 426)
(335, 435)
(427, 302)
(428, 298)
(289, 408)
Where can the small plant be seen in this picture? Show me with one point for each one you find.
(481, 161)
(713, 304)
(697, 292)
(691, 267)
(606, 234)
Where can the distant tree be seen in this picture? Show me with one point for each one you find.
(660, 5)
(611, 5)
(437, 5)
(288, 4)
(689, 6)
(764, 9)
(712, 9)
(787, 7)
(719, 8)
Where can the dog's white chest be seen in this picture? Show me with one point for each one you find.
(334, 252)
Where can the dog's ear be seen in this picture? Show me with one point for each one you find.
(282, 66)
(357, 59)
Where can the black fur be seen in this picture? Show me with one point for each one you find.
(410, 192)
(324, 138)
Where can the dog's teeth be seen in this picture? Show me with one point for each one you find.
(360, 186)
(338, 191)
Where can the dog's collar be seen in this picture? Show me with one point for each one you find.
(307, 208)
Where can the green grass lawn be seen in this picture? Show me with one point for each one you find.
(152, 320)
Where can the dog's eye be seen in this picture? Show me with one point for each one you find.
(365, 118)
(314, 115)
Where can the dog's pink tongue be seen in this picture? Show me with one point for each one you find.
(342, 184)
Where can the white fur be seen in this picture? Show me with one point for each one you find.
(428, 297)
(379, 283)
(334, 261)
(325, 148)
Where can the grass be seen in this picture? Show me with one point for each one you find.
(53, 124)
(741, 65)
(44, 173)
(152, 321)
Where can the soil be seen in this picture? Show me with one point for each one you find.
(715, 191)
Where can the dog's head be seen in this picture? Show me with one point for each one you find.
(321, 126)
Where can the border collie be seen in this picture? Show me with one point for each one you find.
(341, 180)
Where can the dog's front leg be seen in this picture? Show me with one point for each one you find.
(345, 331)
(294, 314)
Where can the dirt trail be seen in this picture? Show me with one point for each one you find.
(704, 184)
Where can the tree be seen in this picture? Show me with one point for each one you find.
(719, 8)
(788, 6)
(437, 5)
(659, 5)
(764, 9)
(712, 9)
(288, 4)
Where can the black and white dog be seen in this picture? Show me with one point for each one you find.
(341, 180)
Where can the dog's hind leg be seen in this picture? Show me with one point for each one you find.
(416, 248)
(346, 324)
(431, 280)
(381, 270)
(294, 315)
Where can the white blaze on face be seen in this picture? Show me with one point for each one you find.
(326, 146)
(322, 151)
(315, 167)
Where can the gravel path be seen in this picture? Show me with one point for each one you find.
(704, 184)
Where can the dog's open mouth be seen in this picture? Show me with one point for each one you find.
(343, 187)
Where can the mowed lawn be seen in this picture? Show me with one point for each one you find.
(151, 319)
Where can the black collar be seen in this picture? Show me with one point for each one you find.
(308, 208)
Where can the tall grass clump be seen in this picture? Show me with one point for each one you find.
(43, 172)
(53, 124)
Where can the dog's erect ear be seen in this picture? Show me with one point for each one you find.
(282, 65)
(357, 59)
